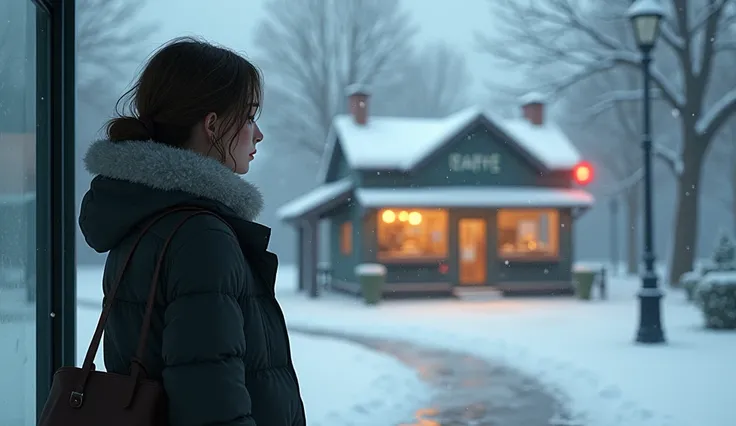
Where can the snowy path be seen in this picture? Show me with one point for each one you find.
(467, 390)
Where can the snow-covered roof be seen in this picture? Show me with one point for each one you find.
(401, 143)
(547, 143)
(450, 196)
(315, 199)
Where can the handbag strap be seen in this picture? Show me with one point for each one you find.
(136, 363)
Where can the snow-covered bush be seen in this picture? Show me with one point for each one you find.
(707, 267)
(716, 297)
(689, 281)
(723, 260)
(724, 255)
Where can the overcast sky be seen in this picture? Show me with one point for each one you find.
(232, 23)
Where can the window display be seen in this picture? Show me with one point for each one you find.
(412, 234)
(528, 233)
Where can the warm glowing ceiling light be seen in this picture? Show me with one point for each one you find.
(388, 216)
(415, 218)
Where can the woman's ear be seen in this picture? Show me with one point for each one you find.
(210, 125)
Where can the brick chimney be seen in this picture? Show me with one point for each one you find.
(358, 96)
(532, 106)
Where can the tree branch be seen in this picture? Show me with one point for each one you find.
(109, 35)
(673, 96)
(714, 7)
(707, 45)
(556, 34)
(434, 83)
(718, 113)
(669, 36)
(313, 49)
(670, 157)
(626, 184)
(613, 98)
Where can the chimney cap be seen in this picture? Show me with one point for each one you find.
(533, 98)
(357, 89)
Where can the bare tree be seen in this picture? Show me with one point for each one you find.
(729, 200)
(731, 206)
(614, 142)
(723, 156)
(434, 83)
(110, 36)
(570, 36)
(615, 146)
(723, 179)
(313, 49)
(596, 104)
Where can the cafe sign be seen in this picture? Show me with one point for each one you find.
(474, 163)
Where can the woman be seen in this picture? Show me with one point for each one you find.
(218, 339)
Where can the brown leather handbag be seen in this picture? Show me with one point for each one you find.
(85, 397)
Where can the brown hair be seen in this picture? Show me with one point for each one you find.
(181, 83)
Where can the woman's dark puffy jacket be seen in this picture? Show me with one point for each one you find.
(218, 337)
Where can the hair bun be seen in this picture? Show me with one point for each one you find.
(129, 129)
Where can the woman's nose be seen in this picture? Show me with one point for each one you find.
(257, 134)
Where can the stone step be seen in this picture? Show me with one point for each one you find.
(477, 293)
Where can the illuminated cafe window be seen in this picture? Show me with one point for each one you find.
(412, 234)
(530, 233)
(346, 238)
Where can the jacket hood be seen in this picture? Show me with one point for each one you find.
(137, 179)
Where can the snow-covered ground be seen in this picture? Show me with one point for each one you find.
(583, 351)
(342, 383)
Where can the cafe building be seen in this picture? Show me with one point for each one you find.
(469, 202)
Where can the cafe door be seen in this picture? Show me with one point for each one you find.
(472, 251)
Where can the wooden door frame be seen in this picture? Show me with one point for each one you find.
(456, 215)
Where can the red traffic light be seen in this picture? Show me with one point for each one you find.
(583, 173)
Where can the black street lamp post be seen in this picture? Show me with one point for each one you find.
(645, 16)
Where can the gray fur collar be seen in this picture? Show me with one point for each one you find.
(164, 167)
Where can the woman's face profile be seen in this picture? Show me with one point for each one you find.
(244, 148)
(239, 146)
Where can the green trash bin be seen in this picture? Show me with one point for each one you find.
(584, 280)
(371, 277)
